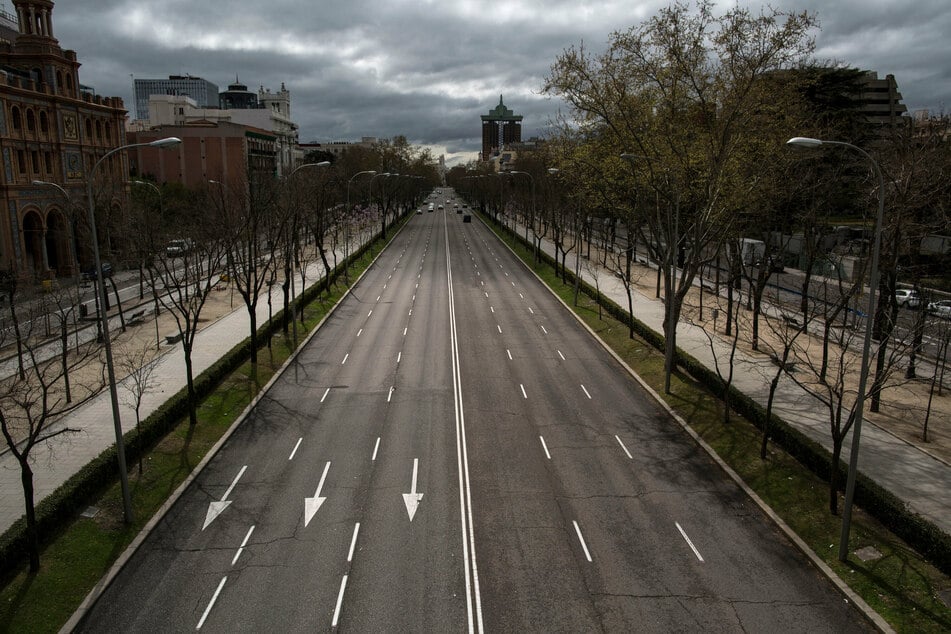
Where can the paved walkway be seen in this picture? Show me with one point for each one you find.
(920, 479)
(911, 474)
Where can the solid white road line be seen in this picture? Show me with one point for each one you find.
(353, 542)
(524, 395)
(690, 543)
(299, 441)
(211, 603)
(243, 544)
(585, 390)
(473, 594)
(581, 539)
(545, 447)
(620, 442)
(376, 448)
(325, 395)
(343, 587)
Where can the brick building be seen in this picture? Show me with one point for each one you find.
(52, 129)
(221, 151)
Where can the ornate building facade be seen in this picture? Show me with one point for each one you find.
(53, 130)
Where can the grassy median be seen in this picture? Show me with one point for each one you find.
(901, 586)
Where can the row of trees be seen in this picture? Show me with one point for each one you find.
(672, 151)
(253, 233)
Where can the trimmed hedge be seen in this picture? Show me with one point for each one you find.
(922, 534)
(60, 507)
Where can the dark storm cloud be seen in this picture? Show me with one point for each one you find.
(426, 69)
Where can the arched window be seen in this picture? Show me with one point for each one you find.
(44, 122)
(109, 133)
(30, 121)
(69, 85)
(88, 131)
(99, 131)
(15, 116)
(59, 81)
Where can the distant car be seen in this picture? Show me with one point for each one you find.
(940, 308)
(419, 211)
(440, 206)
(89, 273)
(907, 298)
(178, 248)
(467, 218)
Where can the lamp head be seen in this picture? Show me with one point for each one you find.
(167, 142)
(804, 142)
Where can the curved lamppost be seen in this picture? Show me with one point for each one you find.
(346, 239)
(805, 142)
(103, 318)
(294, 257)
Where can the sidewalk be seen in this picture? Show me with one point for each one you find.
(918, 478)
(56, 461)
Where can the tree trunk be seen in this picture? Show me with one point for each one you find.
(189, 379)
(834, 475)
(64, 339)
(32, 536)
(115, 291)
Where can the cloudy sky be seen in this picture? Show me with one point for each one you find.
(428, 69)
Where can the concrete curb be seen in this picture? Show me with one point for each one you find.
(90, 600)
(864, 608)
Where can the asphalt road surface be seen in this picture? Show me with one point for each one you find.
(453, 452)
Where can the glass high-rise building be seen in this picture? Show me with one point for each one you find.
(201, 90)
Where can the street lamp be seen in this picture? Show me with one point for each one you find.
(382, 214)
(346, 239)
(672, 244)
(294, 257)
(71, 221)
(103, 318)
(805, 142)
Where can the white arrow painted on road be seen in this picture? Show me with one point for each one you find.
(311, 505)
(412, 498)
(216, 508)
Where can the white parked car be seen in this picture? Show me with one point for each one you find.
(178, 248)
(907, 298)
(940, 308)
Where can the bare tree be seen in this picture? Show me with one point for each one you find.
(34, 408)
(182, 286)
(138, 364)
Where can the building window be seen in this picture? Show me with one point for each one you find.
(109, 133)
(21, 162)
(31, 121)
(35, 160)
(88, 131)
(48, 162)
(69, 85)
(99, 131)
(15, 116)
(44, 122)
